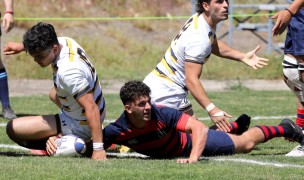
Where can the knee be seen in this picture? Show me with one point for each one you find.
(248, 147)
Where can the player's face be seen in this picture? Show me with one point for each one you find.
(218, 10)
(45, 57)
(141, 108)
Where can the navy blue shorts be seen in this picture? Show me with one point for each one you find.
(294, 43)
(218, 143)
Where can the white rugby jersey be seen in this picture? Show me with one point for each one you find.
(192, 44)
(74, 76)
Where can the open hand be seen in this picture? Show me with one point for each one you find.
(252, 60)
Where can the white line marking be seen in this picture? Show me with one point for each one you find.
(137, 155)
(208, 118)
(261, 163)
(13, 147)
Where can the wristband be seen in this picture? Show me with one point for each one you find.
(289, 12)
(9, 12)
(210, 107)
(221, 113)
(98, 146)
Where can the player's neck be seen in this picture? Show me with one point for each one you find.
(136, 123)
(210, 21)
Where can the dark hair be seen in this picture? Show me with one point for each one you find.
(40, 37)
(132, 90)
(199, 6)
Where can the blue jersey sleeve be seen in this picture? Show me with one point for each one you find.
(171, 117)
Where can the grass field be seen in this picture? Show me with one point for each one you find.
(267, 161)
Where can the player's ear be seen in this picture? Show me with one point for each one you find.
(205, 5)
(55, 48)
(128, 108)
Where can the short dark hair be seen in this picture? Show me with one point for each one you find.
(132, 90)
(199, 6)
(40, 37)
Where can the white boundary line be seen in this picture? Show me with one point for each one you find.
(237, 160)
(260, 163)
(208, 118)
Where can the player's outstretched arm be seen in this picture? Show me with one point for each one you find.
(250, 58)
(199, 138)
(13, 48)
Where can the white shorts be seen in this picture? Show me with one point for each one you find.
(77, 127)
(166, 93)
(292, 78)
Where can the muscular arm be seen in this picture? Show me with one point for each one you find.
(221, 49)
(199, 137)
(93, 118)
(193, 73)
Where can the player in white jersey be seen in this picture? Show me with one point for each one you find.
(181, 67)
(77, 91)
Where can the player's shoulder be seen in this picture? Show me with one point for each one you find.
(162, 111)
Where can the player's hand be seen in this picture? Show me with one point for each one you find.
(13, 48)
(189, 160)
(99, 155)
(8, 22)
(252, 60)
(219, 118)
(51, 145)
(283, 19)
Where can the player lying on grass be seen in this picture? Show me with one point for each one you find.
(162, 132)
(77, 92)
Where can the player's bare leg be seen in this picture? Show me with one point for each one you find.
(28, 131)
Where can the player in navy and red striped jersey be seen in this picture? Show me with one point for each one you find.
(162, 132)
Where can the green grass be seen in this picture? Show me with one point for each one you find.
(17, 164)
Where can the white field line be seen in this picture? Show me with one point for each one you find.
(237, 160)
(260, 163)
(13, 147)
(208, 118)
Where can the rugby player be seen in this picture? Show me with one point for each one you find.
(8, 24)
(180, 69)
(293, 64)
(162, 132)
(77, 92)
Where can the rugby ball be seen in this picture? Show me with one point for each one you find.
(70, 145)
